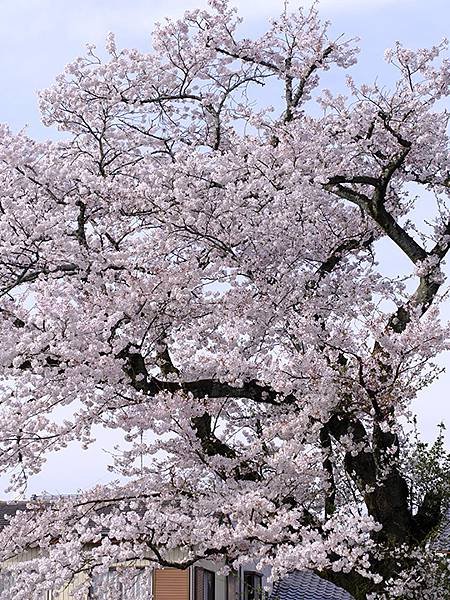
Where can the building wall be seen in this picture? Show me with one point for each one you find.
(166, 583)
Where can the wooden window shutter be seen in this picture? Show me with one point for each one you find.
(171, 584)
(198, 581)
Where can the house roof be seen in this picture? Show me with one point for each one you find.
(298, 585)
(9, 509)
(306, 585)
(441, 541)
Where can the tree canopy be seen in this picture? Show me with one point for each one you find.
(199, 270)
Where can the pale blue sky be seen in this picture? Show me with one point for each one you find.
(38, 37)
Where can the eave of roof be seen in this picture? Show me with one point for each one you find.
(306, 585)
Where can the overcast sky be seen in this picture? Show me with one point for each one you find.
(38, 37)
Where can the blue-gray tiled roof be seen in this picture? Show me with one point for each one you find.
(441, 541)
(306, 585)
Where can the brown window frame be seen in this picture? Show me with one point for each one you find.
(255, 593)
(200, 580)
(207, 573)
(232, 591)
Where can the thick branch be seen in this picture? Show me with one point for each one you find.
(384, 490)
(374, 207)
(330, 497)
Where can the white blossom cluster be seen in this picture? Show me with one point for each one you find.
(197, 270)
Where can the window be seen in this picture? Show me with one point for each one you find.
(233, 586)
(208, 585)
(205, 584)
(126, 584)
(5, 581)
(253, 589)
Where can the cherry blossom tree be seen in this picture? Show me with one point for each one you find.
(199, 270)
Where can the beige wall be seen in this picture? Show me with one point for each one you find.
(167, 584)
